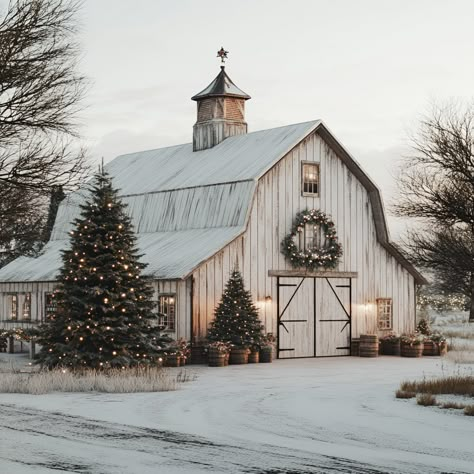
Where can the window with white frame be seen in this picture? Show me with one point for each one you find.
(167, 308)
(310, 179)
(384, 313)
(26, 313)
(13, 306)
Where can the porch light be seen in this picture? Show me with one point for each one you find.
(268, 299)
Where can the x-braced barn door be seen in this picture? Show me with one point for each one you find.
(314, 316)
(333, 321)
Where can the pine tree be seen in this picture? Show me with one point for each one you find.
(236, 317)
(104, 314)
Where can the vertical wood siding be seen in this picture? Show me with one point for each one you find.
(276, 201)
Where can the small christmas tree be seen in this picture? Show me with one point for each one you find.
(423, 327)
(236, 318)
(104, 314)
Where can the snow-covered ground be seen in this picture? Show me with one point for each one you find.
(292, 416)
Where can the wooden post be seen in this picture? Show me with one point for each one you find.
(11, 345)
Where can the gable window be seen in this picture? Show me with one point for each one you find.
(13, 300)
(310, 179)
(384, 313)
(27, 307)
(167, 308)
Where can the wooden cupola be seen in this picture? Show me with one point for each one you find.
(220, 112)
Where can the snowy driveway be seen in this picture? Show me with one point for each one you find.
(299, 416)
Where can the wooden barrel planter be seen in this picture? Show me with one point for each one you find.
(254, 357)
(391, 348)
(227, 357)
(216, 359)
(173, 360)
(442, 348)
(355, 347)
(266, 354)
(368, 345)
(198, 355)
(239, 355)
(414, 350)
(430, 348)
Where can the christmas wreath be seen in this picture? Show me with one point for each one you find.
(312, 258)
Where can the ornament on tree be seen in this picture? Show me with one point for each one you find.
(105, 311)
(236, 318)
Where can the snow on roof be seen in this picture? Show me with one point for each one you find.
(237, 158)
(185, 205)
(170, 255)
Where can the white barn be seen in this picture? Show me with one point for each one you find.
(228, 199)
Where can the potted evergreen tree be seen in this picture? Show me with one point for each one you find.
(236, 320)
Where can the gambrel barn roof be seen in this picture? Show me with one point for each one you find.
(186, 205)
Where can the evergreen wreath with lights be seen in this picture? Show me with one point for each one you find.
(314, 258)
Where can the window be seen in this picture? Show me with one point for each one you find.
(27, 307)
(384, 313)
(313, 237)
(50, 305)
(13, 306)
(167, 307)
(310, 178)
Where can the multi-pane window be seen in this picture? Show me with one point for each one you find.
(313, 237)
(50, 305)
(26, 314)
(384, 313)
(13, 299)
(167, 307)
(310, 178)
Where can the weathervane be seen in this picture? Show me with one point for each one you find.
(222, 53)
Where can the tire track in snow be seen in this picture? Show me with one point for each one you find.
(65, 443)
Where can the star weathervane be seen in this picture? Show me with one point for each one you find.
(222, 53)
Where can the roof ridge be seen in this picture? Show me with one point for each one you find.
(229, 138)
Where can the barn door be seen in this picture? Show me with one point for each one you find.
(296, 317)
(333, 320)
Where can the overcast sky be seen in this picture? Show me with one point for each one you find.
(368, 68)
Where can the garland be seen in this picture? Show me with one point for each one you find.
(315, 258)
(26, 334)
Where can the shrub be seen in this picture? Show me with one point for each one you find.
(453, 405)
(404, 394)
(426, 400)
(469, 410)
(455, 384)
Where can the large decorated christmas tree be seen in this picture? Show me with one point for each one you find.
(104, 314)
(236, 318)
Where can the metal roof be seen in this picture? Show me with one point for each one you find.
(186, 205)
(170, 255)
(221, 86)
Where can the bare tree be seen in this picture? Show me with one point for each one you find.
(40, 96)
(437, 188)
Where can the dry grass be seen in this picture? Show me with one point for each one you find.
(461, 356)
(403, 394)
(469, 410)
(455, 384)
(459, 333)
(453, 405)
(113, 381)
(426, 400)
